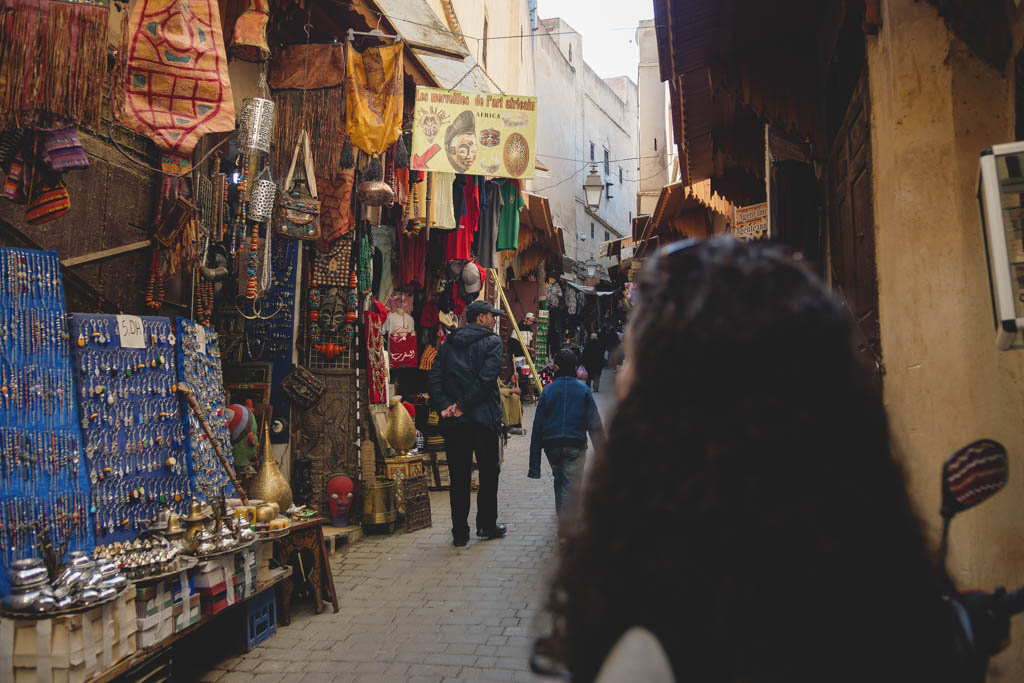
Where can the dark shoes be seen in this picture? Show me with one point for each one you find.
(498, 531)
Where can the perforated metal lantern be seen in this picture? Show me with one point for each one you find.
(261, 199)
(255, 125)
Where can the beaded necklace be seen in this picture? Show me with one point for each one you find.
(365, 277)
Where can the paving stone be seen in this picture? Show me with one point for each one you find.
(414, 608)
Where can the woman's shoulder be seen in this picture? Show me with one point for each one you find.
(637, 656)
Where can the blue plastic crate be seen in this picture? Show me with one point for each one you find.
(260, 618)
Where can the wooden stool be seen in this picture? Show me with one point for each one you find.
(308, 535)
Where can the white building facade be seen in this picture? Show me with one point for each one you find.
(583, 120)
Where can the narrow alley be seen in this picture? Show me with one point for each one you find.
(415, 608)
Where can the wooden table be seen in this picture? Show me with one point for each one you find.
(307, 535)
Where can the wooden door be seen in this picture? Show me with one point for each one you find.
(852, 223)
(328, 432)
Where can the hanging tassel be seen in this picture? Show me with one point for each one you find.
(348, 157)
(374, 170)
(401, 154)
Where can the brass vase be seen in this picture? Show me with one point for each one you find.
(269, 484)
(401, 433)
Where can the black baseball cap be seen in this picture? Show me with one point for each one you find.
(478, 308)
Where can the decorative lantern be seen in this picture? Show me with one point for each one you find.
(593, 188)
(261, 198)
(255, 125)
(249, 42)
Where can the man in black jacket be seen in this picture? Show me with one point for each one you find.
(464, 390)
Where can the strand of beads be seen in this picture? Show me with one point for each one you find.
(252, 267)
(365, 278)
(155, 288)
(243, 187)
(314, 315)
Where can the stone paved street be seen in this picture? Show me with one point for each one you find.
(415, 608)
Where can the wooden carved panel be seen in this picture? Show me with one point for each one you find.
(327, 434)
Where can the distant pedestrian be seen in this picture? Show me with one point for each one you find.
(593, 360)
(566, 413)
(464, 390)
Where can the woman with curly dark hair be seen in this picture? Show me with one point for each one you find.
(746, 507)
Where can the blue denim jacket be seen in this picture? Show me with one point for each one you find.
(566, 410)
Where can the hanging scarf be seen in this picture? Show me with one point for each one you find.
(375, 95)
(53, 58)
(176, 86)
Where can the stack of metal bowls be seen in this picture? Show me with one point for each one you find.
(29, 590)
(81, 583)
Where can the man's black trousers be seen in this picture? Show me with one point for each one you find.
(461, 441)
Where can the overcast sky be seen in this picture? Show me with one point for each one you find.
(608, 52)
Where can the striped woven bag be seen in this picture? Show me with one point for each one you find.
(49, 201)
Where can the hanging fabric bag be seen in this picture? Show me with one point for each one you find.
(299, 211)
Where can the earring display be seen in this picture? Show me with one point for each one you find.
(42, 482)
(270, 338)
(199, 368)
(131, 418)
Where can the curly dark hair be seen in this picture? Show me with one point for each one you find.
(746, 507)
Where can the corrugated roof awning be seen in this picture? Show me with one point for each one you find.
(420, 27)
(456, 74)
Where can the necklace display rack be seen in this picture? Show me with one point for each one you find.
(200, 369)
(42, 481)
(269, 339)
(132, 421)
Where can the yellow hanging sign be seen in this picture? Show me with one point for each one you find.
(474, 133)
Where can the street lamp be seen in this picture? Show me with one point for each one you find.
(591, 265)
(593, 188)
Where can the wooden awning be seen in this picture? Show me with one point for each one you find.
(732, 67)
(681, 208)
(539, 239)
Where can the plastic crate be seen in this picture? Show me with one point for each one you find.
(260, 619)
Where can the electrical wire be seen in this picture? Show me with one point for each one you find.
(625, 179)
(595, 161)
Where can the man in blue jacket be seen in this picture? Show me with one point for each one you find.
(566, 413)
(464, 390)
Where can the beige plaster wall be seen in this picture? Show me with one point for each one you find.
(934, 107)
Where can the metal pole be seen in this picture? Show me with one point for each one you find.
(515, 326)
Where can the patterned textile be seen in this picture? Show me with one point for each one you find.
(177, 77)
(336, 217)
(375, 95)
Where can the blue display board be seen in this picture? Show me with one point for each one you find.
(200, 369)
(132, 421)
(43, 480)
(271, 339)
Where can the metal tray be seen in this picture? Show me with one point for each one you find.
(37, 616)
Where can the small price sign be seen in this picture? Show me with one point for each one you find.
(133, 335)
(200, 339)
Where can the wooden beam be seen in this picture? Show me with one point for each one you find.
(105, 254)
